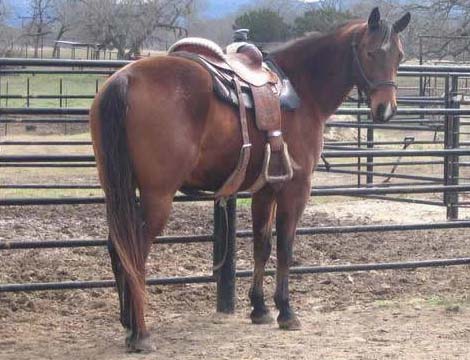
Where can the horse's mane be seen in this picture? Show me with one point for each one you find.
(315, 38)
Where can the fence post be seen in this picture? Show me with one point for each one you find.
(27, 92)
(359, 141)
(1, 93)
(421, 83)
(224, 254)
(7, 93)
(61, 92)
(452, 141)
(370, 159)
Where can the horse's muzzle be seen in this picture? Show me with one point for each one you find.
(383, 113)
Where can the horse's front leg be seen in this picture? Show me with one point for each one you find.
(263, 208)
(291, 202)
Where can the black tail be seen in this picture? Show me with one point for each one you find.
(120, 187)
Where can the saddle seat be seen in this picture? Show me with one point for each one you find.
(246, 63)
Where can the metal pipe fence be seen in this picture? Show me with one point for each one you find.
(446, 108)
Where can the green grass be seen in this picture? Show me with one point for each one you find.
(244, 202)
(49, 193)
(42, 84)
(386, 304)
(48, 175)
(438, 300)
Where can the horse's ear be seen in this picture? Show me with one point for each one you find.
(401, 24)
(374, 18)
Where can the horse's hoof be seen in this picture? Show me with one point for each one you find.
(260, 319)
(290, 324)
(142, 344)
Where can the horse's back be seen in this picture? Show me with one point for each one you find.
(178, 131)
(167, 103)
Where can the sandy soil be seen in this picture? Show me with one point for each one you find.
(421, 314)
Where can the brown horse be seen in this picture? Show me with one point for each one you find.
(157, 126)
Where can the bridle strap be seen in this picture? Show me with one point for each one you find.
(370, 85)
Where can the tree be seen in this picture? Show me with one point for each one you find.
(125, 25)
(219, 30)
(322, 19)
(65, 19)
(8, 34)
(265, 25)
(445, 18)
(41, 19)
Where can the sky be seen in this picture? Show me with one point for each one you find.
(215, 8)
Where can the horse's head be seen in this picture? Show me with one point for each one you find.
(377, 52)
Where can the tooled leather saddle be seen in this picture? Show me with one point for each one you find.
(242, 79)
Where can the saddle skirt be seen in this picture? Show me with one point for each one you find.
(242, 78)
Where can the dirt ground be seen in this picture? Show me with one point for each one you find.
(414, 314)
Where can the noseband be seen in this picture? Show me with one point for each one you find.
(369, 85)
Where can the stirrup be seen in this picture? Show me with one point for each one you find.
(265, 177)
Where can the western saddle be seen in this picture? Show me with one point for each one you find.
(243, 79)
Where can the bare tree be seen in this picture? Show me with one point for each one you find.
(388, 8)
(8, 35)
(219, 30)
(41, 18)
(126, 25)
(66, 19)
(447, 19)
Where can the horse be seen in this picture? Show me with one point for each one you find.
(157, 127)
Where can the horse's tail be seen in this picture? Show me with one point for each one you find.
(119, 185)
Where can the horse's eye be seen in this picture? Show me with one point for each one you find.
(370, 54)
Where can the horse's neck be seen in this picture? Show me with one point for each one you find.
(320, 70)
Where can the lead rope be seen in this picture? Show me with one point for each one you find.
(223, 204)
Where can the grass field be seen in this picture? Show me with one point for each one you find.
(43, 84)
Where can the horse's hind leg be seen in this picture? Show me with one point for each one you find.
(263, 210)
(122, 289)
(131, 317)
(156, 210)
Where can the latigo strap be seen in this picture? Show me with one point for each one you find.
(233, 183)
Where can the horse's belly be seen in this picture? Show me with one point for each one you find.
(216, 164)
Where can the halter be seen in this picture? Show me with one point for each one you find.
(370, 85)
